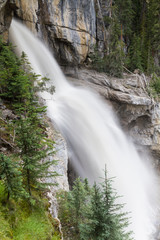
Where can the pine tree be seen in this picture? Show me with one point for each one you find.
(73, 206)
(153, 37)
(125, 14)
(134, 59)
(106, 219)
(113, 59)
(94, 228)
(15, 84)
(77, 202)
(35, 150)
(115, 217)
(11, 178)
(93, 213)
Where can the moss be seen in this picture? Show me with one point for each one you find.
(21, 221)
(5, 229)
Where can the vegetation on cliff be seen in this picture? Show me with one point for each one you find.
(23, 164)
(93, 213)
(133, 38)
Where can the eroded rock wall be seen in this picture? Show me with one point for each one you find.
(27, 12)
(69, 27)
(138, 113)
(6, 9)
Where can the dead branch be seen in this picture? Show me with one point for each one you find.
(8, 143)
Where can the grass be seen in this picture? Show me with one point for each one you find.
(20, 221)
(5, 229)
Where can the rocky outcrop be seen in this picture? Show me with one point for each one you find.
(27, 12)
(69, 27)
(61, 168)
(139, 114)
(6, 9)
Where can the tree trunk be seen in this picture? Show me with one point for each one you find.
(28, 182)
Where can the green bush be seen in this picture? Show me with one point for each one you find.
(92, 213)
(155, 83)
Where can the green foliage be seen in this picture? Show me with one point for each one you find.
(145, 25)
(19, 222)
(155, 85)
(133, 38)
(123, 9)
(72, 207)
(114, 57)
(134, 58)
(35, 226)
(92, 213)
(112, 61)
(23, 213)
(15, 84)
(94, 228)
(11, 177)
(17, 79)
(5, 229)
(35, 148)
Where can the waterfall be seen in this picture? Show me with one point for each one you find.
(93, 134)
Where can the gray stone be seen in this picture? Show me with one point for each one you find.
(138, 113)
(68, 27)
(61, 156)
(8, 114)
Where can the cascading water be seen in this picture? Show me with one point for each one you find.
(93, 134)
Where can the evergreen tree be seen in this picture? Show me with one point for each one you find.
(11, 177)
(15, 84)
(93, 213)
(125, 14)
(95, 228)
(116, 219)
(35, 150)
(154, 22)
(106, 219)
(132, 28)
(73, 206)
(134, 58)
(114, 57)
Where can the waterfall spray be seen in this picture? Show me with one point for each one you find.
(93, 135)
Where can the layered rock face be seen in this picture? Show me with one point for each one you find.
(27, 12)
(69, 27)
(139, 114)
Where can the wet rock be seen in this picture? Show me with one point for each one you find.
(61, 156)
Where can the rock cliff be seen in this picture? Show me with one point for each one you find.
(69, 27)
(139, 114)
(6, 9)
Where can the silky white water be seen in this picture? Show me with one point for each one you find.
(93, 135)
